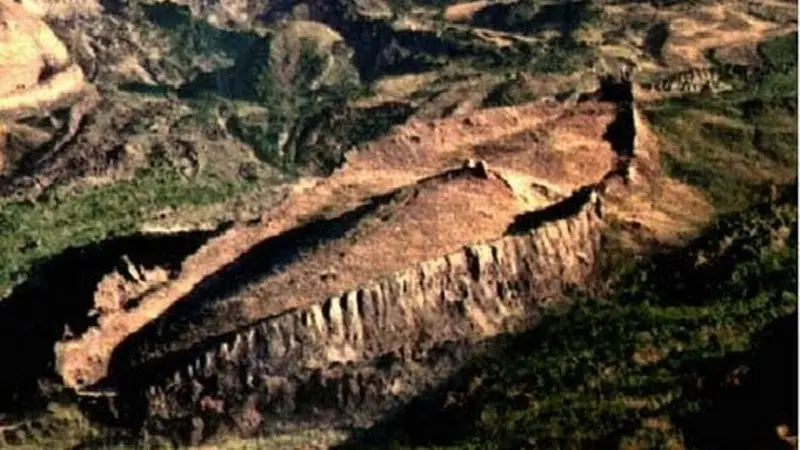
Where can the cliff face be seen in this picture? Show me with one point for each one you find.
(231, 283)
(29, 50)
(221, 348)
(351, 358)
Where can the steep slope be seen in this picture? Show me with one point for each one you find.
(358, 355)
(370, 238)
(406, 156)
(696, 349)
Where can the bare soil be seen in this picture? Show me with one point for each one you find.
(348, 231)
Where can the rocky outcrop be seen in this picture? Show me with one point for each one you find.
(29, 50)
(35, 66)
(353, 357)
(695, 80)
(59, 9)
(37, 75)
(59, 91)
(714, 79)
(122, 287)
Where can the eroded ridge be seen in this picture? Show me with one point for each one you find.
(527, 170)
(329, 355)
(36, 70)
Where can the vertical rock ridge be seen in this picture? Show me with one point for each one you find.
(360, 347)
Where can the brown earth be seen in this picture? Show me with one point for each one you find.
(35, 65)
(719, 26)
(348, 359)
(462, 12)
(536, 154)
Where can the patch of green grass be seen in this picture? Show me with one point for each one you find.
(780, 52)
(730, 144)
(59, 426)
(189, 39)
(35, 231)
(64, 425)
(534, 17)
(632, 370)
(559, 55)
(508, 93)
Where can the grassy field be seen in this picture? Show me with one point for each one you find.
(732, 143)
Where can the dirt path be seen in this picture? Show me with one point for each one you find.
(691, 38)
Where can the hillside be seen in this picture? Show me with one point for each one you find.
(313, 223)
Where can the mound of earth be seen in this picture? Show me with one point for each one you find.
(393, 183)
(399, 203)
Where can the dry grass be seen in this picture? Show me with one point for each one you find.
(692, 31)
(692, 37)
(668, 212)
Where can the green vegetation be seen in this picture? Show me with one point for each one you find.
(60, 426)
(729, 144)
(317, 143)
(299, 81)
(780, 52)
(338, 131)
(553, 56)
(532, 17)
(189, 41)
(34, 231)
(300, 72)
(645, 367)
(304, 73)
